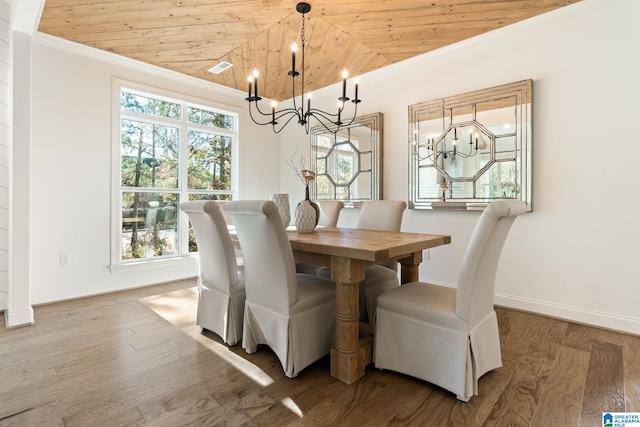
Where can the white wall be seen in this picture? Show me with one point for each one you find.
(71, 167)
(574, 255)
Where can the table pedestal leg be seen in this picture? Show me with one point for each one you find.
(347, 359)
(409, 268)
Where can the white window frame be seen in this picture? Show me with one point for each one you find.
(182, 190)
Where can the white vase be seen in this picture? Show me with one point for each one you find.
(305, 217)
(282, 202)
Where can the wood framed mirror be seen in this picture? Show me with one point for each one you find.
(468, 150)
(347, 163)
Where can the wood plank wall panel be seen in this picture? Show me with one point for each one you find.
(5, 160)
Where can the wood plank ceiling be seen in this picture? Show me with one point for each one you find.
(191, 36)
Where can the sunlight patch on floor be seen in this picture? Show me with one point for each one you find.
(176, 307)
(179, 308)
(288, 403)
(248, 368)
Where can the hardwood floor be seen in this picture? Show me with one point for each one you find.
(137, 358)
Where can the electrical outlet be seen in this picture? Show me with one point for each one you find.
(426, 254)
(65, 260)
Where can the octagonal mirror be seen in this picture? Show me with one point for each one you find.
(453, 145)
(468, 150)
(347, 162)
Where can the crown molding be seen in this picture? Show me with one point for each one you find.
(119, 60)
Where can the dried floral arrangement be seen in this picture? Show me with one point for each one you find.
(305, 175)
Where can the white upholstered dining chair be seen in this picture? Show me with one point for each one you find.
(444, 335)
(294, 314)
(380, 215)
(329, 212)
(221, 291)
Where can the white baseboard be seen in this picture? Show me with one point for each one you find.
(13, 319)
(573, 314)
(123, 278)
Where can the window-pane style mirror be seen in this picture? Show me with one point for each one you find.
(467, 150)
(347, 163)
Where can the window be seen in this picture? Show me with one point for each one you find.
(169, 150)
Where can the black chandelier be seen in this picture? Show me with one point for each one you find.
(278, 119)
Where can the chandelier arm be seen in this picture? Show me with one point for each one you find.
(353, 118)
(254, 119)
(329, 116)
(327, 119)
(285, 112)
(471, 153)
(416, 152)
(275, 116)
(332, 128)
(284, 124)
(259, 110)
(449, 153)
(316, 112)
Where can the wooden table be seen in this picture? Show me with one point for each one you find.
(348, 251)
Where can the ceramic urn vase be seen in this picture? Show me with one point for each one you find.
(307, 214)
(282, 202)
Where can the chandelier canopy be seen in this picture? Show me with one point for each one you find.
(278, 119)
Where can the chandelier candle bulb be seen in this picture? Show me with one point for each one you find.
(309, 102)
(250, 81)
(356, 83)
(344, 85)
(255, 82)
(294, 47)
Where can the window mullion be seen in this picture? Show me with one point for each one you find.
(183, 180)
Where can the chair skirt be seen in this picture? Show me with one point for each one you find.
(221, 313)
(300, 338)
(438, 348)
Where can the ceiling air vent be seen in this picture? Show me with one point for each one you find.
(218, 68)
